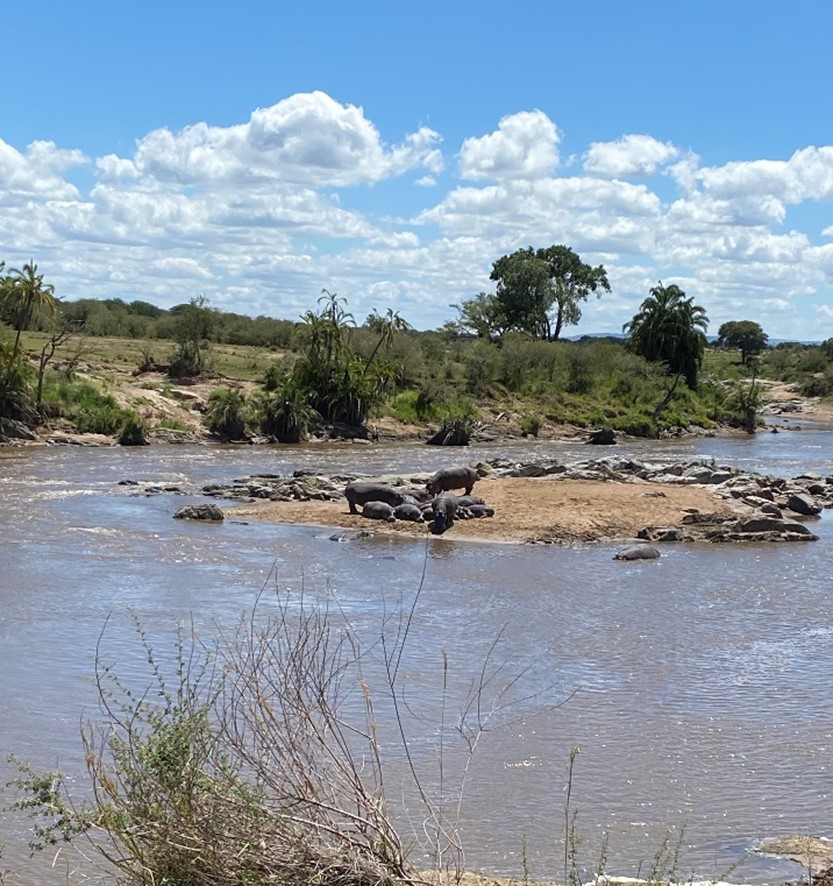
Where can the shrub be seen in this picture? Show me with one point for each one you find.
(225, 415)
(133, 432)
(249, 761)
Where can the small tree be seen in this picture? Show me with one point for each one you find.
(669, 328)
(225, 415)
(24, 294)
(744, 335)
(193, 324)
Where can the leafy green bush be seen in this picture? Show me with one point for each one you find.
(82, 403)
(16, 378)
(133, 432)
(226, 413)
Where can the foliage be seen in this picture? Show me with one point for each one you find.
(745, 335)
(538, 293)
(24, 294)
(530, 424)
(191, 330)
(15, 385)
(82, 403)
(133, 432)
(257, 758)
(286, 413)
(669, 328)
(225, 415)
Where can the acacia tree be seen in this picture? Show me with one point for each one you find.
(539, 292)
(745, 335)
(669, 328)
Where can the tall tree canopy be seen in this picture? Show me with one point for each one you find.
(539, 292)
(745, 335)
(669, 328)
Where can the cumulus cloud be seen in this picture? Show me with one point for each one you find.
(807, 175)
(524, 146)
(38, 172)
(260, 215)
(632, 155)
(308, 138)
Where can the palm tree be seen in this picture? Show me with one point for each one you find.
(670, 328)
(27, 294)
(386, 327)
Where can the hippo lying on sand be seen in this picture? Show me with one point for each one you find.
(637, 552)
(460, 477)
(360, 493)
(408, 511)
(445, 509)
(378, 510)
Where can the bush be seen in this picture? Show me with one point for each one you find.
(225, 415)
(133, 432)
(83, 404)
(248, 761)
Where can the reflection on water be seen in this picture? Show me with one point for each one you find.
(698, 685)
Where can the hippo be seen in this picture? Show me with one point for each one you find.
(408, 511)
(637, 552)
(445, 509)
(480, 510)
(460, 477)
(378, 510)
(360, 492)
(468, 500)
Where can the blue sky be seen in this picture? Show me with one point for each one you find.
(256, 153)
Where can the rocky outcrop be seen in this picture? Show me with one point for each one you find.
(209, 513)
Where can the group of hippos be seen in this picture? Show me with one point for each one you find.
(435, 504)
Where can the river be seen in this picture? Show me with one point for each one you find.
(698, 685)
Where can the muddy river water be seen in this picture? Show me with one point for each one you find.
(699, 685)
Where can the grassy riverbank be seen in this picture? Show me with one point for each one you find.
(91, 384)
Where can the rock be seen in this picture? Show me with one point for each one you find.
(803, 504)
(209, 513)
(16, 430)
(653, 533)
(603, 437)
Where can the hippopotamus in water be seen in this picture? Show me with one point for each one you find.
(378, 510)
(361, 492)
(637, 552)
(408, 511)
(460, 477)
(444, 507)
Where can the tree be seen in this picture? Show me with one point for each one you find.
(481, 315)
(745, 335)
(669, 328)
(573, 282)
(25, 294)
(193, 323)
(385, 327)
(539, 291)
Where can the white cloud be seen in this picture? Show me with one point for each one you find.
(524, 146)
(632, 155)
(308, 138)
(261, 215)
(807, 175)
(179, 267)
(37, 172)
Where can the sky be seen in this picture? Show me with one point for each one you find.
(257, 153)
